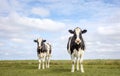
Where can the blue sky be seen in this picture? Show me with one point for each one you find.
(22, 21)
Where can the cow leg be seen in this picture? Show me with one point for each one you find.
(81, 63)
(43, 62)
(78, 60)
(73, 63)
(39, 65)
(48, 62)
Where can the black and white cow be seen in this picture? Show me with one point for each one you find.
(43, 52)
(76, 48)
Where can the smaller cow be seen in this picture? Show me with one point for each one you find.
(76, 48)
(43, 52)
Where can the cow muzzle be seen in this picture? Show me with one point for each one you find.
(78, 41)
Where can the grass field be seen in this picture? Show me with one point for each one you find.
(59, 68)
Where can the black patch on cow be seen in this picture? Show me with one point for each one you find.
(43, 49)
(76, 46)
(50, 49)
(68, 42)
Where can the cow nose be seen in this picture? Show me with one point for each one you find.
(78, 41)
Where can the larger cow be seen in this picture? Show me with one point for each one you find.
(76, 48)
(43, 52)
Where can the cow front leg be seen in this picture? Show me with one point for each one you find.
(82, 69)
(43, 62)
(73, 63)
(77, 67)
(81, 63)
(39, 65)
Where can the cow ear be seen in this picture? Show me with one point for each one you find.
(84, 31)
(35, 40)
(44, 40)
(71, 31)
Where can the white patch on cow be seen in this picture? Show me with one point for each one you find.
(77, 57)
(39, 42)
(77, 31)
(41, 57)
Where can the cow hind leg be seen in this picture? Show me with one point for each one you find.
(48, 62)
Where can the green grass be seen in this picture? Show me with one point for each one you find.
(59, 68)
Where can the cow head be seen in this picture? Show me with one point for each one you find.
(77, 34)
(39, 42)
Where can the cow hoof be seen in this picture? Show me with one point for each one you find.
(78, 69)
(72, 71)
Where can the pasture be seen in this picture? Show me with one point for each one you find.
(59, 68)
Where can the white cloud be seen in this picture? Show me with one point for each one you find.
(4, 5)
(9, 24)
(6, 54)
(43, 24)
(20, 22)
(109, 30)
(43, 12)
(1, 44)
(18, 40)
